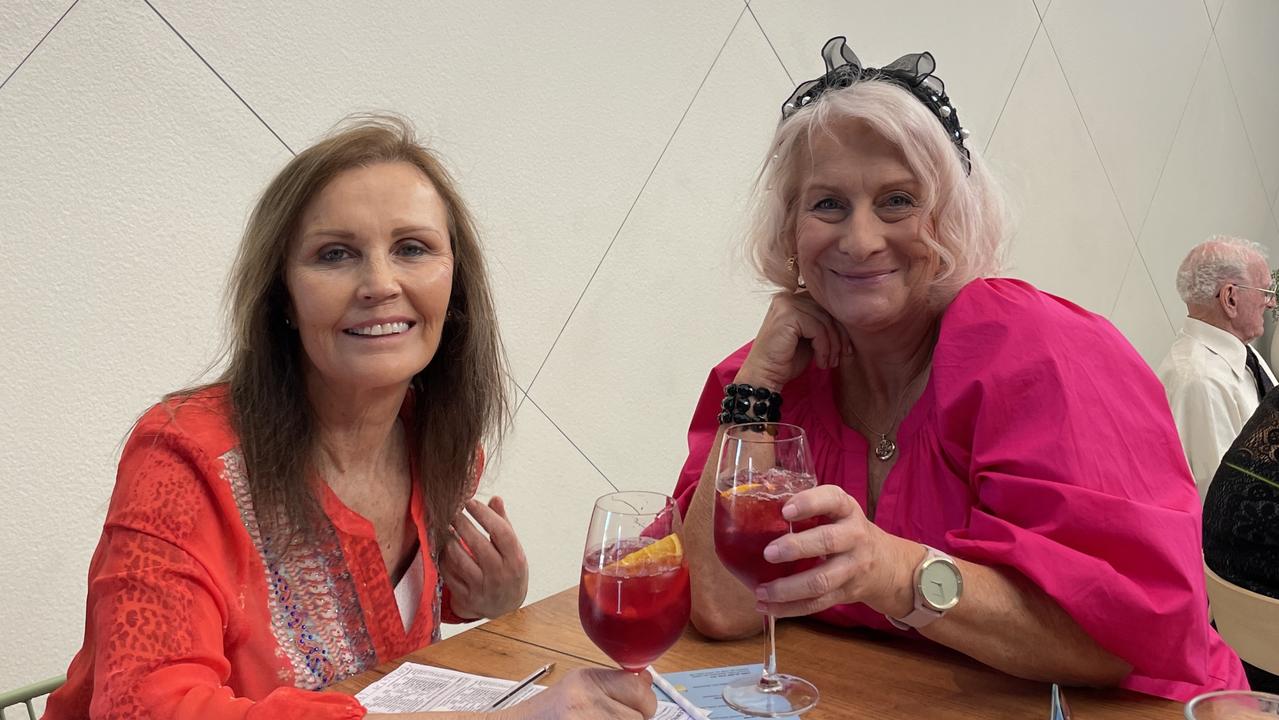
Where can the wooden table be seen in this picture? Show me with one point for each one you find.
(860, 674)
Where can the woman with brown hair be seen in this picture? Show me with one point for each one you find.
(300, 520)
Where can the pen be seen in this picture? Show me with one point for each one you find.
(684, 703)
(522, 684)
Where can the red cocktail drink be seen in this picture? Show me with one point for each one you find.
(747, 518)
(761, 467)
(635, 608)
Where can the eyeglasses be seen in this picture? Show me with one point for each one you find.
(1271, 296)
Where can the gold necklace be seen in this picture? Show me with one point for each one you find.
(885, 449)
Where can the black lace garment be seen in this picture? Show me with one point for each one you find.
(1241, 514)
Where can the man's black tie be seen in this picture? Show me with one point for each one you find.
(1263, 380)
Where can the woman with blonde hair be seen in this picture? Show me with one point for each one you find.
(301, 520)
(999, 471)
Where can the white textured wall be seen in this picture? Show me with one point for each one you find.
(606, 147)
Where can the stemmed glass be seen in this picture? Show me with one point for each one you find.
(761, 465)
(1233, 705)
(633, 599)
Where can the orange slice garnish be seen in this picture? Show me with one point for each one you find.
(667, 552)
(739, 489)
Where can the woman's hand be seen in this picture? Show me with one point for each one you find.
(488, 576)
(595, 694)
(796, 331)
(863, 563)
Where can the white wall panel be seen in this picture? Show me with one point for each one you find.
(673, 297)
(127, 170)
(1213, 8)
(1140, 316)
(22, 25)
(1250, 51)
(1126, 72)
(1071, 238)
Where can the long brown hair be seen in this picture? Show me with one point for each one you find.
(459, 400)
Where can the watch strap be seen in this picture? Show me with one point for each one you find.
(915, 619)
(922, 615)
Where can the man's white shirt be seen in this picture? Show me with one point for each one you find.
(1211, 392)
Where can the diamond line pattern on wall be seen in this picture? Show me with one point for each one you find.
(631, 209)
(26, 25)
(1142, 74)
(995, 128)
(1250, 54)
(1140, 316)
(1069, 215)
(1213, 8)
(649, 328)
(219, 76)
(550, 114)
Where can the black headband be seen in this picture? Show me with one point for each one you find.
(912, 73)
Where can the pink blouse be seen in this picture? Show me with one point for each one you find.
(1042, 442)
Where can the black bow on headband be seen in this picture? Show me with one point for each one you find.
(913, 73)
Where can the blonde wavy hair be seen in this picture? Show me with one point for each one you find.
(969, 223)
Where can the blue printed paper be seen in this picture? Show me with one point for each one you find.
(702, 687)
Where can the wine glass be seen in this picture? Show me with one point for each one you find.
(1233, 705)
(761, 465)
(633, 599)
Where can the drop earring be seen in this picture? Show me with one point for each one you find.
(793, 266)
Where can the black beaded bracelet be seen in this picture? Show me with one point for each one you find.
(746, 404)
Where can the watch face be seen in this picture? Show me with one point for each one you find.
(940, 584)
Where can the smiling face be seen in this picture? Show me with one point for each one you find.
(369, 276)
(858, 223)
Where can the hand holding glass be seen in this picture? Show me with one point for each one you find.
(761, 466)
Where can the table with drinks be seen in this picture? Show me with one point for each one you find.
(860, 674)
(632, 605)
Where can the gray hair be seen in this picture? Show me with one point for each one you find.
(1215, 262)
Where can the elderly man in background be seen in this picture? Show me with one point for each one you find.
(1213, 378)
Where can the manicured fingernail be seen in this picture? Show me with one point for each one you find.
(761, 595)
(789, 512)
(772, 554)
